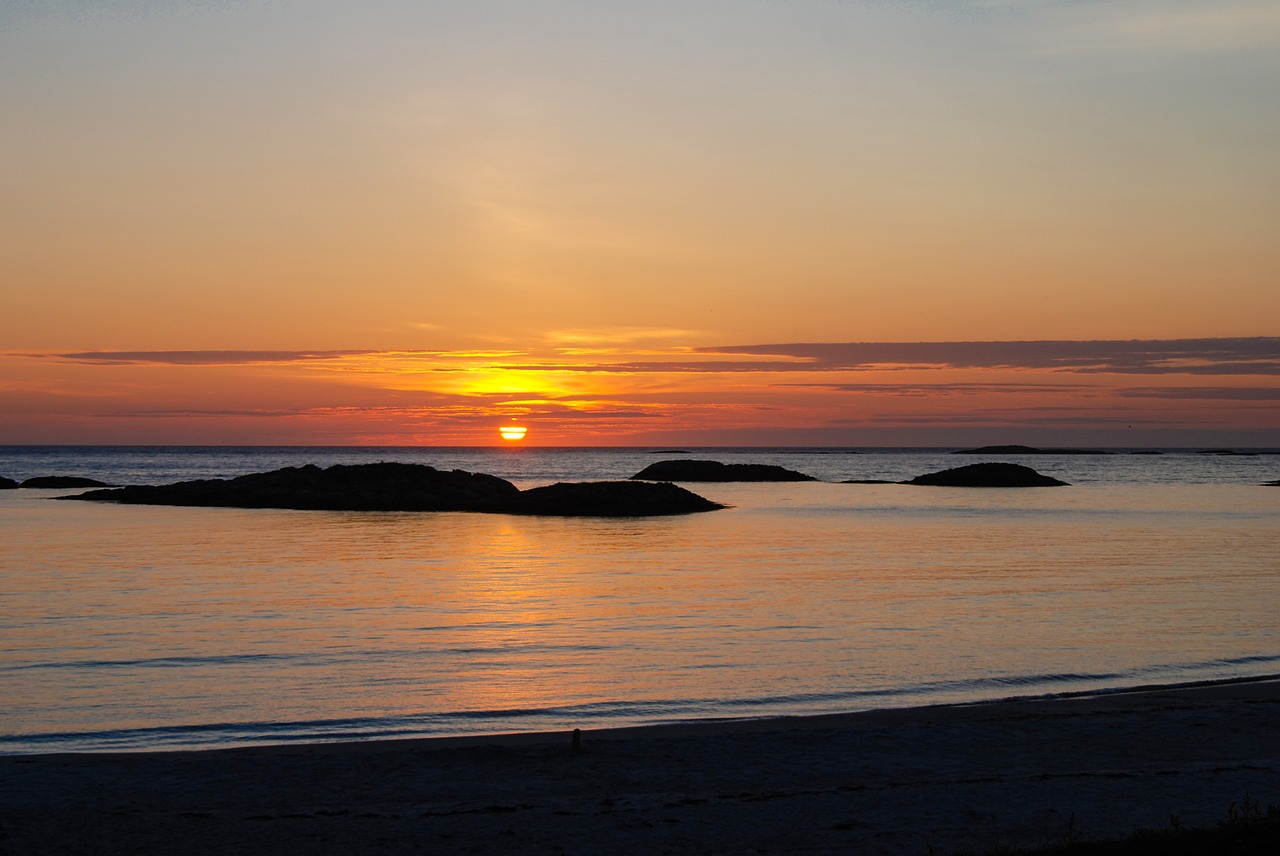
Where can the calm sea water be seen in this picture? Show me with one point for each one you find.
(135, 627)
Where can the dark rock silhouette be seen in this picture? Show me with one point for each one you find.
(609, 499)
(988, 475)
(714, 471)
(363, 487)
(1027, 450)
(1271, 484)
(7, 484)
(63, 481)
(1228, 453)
(869, 481)
(403, 487)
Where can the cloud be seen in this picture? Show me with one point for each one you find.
(1259, 356)
(1252, 356)
(204, 358)
(1205, 393)
(1146, 26)
(933, 390)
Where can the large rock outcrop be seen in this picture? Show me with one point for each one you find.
(63, 482)
(407, 487)
(714, 471)
(609, 499)
(7, 484)
(988, 475)
(361, 487)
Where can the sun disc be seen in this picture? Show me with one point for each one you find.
(513, 432)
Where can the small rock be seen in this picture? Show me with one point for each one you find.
(63, 481)
(988, 475)
(714, 471)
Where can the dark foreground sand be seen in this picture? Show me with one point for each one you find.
(1020, 773)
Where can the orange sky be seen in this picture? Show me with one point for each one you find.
(270, 222)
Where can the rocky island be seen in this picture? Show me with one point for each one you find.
(62, 482)
(988, 475)
(714, 471)
(1028, 450)
(409, 487)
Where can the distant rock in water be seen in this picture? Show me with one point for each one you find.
(988, 475)
(1228, 453)
(406, 487)
(869, 481)
(63, 481)
(609, 499)
(1271, 484)
(7, 484)
(1027, 450)
(714, 471)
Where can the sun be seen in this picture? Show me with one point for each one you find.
(513, 432)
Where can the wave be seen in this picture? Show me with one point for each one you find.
(627, 712)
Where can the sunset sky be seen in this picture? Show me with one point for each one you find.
(705, 222)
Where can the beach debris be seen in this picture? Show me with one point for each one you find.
(988, 475)
(408, 487)
(715, 471)
(63, 482)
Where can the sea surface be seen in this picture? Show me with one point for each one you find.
(141, 627)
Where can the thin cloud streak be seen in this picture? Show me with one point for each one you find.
(206, 358)
(1235, 356)
(1259, 355)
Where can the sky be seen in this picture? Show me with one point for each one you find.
(705, 222)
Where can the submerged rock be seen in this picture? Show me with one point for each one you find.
(609, 499)
(988, 475)
(408, 487)
(7, 484)
(714, 471)
(63, 481)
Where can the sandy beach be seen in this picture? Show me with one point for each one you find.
(958, 778)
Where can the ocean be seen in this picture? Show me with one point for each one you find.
(147, 627)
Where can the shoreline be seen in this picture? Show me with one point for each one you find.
(979, 776)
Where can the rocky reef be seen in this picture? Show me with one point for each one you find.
(609, 499)
(714, 471)
(63, 482)
(988, 475)
(408, 487)
(1028, 450)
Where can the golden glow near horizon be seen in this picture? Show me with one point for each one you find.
(494, 208)
(513, 432)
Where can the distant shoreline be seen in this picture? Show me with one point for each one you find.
(985, 775)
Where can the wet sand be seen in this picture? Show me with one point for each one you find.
(946, 779)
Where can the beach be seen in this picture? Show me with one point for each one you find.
(1018, 773)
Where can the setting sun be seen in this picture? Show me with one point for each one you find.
(513, 432)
